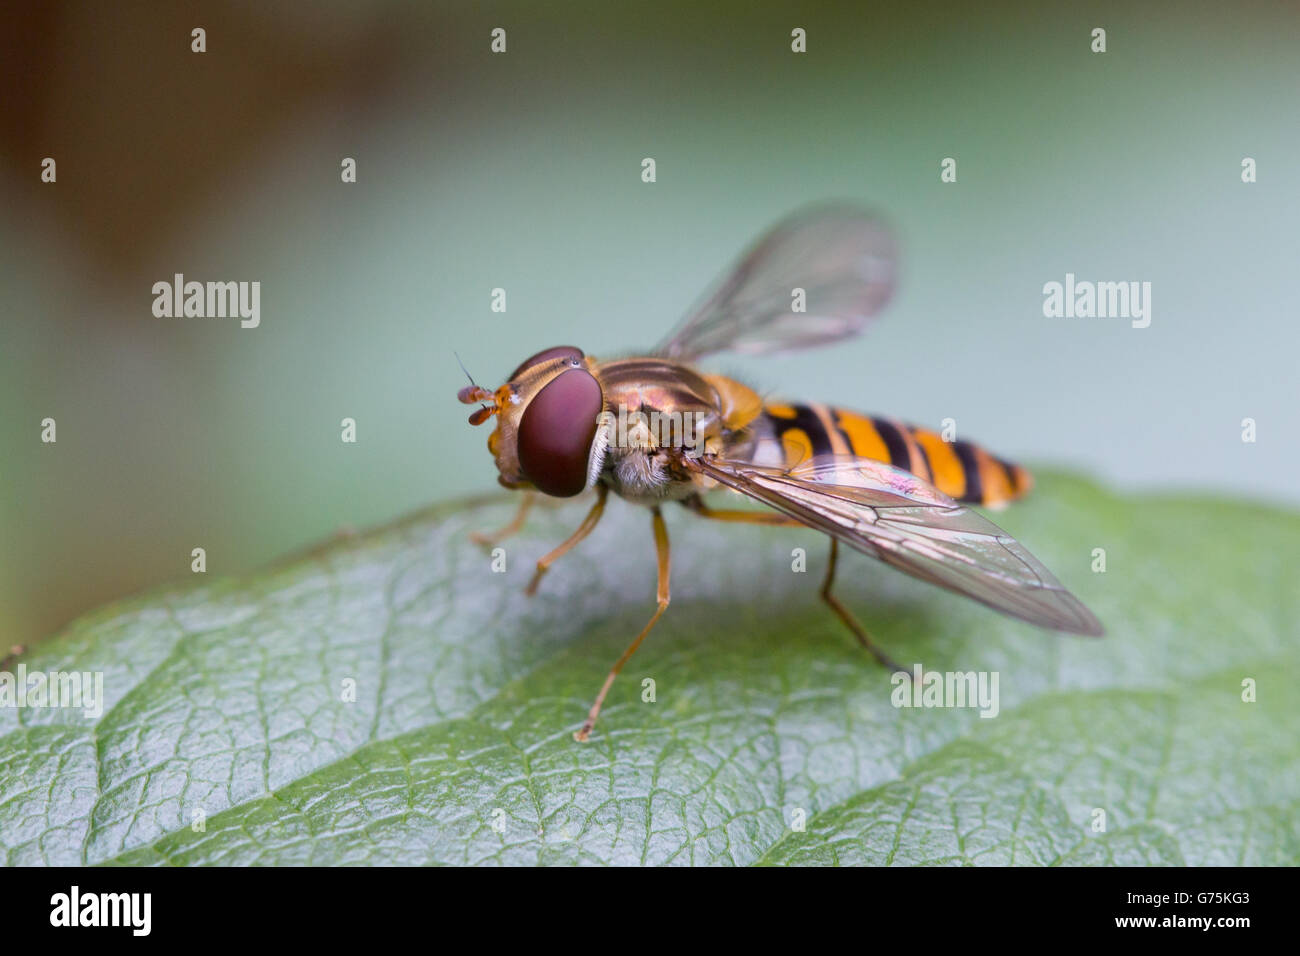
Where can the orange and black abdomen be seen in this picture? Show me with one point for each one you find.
(960, 469)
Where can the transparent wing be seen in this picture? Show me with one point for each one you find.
(841, 257)
(896, 517)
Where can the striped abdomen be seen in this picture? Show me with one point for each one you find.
(959, 469)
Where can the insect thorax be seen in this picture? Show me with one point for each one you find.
(656, 414)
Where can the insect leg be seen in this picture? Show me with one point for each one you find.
(14, 653)
(488, 539)
(661, 550)
(584, 529)
(696, 504)
(849, 620)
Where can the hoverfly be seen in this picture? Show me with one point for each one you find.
(567, 422)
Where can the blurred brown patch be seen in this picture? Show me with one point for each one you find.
(143, 130)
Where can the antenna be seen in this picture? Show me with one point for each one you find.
(474, 394)
(464, 369)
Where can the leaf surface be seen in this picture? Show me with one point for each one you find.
(229, 736)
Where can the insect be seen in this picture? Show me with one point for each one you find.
(654, 429)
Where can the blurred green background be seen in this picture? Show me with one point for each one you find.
(522, 171)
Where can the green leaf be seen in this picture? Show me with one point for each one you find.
(224, 702)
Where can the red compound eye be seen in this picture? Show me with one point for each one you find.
(545, 355)
(557, 431)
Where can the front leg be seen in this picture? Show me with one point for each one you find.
(584, 529)
(489, 538)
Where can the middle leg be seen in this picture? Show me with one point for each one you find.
(661, 550)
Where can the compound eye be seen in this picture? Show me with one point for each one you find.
(546, 355)
(557, 431)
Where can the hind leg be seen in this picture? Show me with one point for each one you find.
(849, 620)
